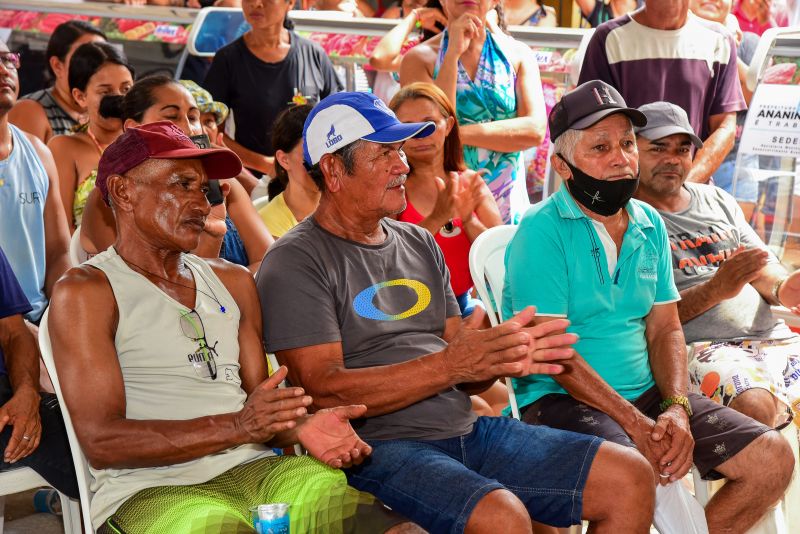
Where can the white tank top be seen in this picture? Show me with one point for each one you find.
(177, 364)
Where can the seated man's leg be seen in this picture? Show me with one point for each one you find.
(562, 477)
(747, 376)
(319, 497)
(429, 483)
(756, 461)
(52, 458)
(508, 473)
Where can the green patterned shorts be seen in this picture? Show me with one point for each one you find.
(321, 501)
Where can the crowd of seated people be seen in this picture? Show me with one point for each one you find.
(356, 276)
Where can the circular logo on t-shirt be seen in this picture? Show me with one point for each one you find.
(364, 306)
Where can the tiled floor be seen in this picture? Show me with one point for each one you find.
(22, 518)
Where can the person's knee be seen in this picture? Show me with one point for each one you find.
(767, 461)
(758, 404)
(621, 481)
(499, 507)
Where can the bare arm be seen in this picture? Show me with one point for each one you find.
(585, 385)
(21, 354)
(29, 116)
(715, 148)
(487, 214)
(252, 159)
(82, 327)
(63, 150)
(667, 350)
(386, 56)
(472, 356)
(21, 411)
(742, 267)
(528, 127)
(56, 233)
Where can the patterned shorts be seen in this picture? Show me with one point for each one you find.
(721, 371)
(320, 499)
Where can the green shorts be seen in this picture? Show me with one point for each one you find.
(321, 501)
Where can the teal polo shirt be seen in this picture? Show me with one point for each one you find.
(556, 262)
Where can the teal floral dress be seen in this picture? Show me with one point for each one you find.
(490, 97)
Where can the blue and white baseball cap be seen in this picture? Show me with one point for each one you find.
(344, 118)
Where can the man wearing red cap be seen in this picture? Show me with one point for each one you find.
(163, 370)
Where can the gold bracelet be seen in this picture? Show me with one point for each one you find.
(681, 400)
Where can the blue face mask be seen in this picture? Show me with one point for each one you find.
(604, 197)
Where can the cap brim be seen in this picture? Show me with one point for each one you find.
(401, 131)
(637, 117)
(219, 163)
(661, 132)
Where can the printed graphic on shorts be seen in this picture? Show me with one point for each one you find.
(365, 306)
(721, 371)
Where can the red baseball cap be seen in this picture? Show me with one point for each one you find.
(161, 140)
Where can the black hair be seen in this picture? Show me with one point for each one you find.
(287, 132)
(348, 156)
(426, 33)
(89, 58)
(140, 96)
(501, 17)
(64, 36)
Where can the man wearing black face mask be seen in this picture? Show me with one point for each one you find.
(593, 255)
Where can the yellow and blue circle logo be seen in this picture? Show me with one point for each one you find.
(365, 308)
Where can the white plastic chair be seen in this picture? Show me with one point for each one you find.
(78, 458)
(487, 266)
(76, 253)
(24, 479)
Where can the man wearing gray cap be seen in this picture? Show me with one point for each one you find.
(743, 356)
(602, 260)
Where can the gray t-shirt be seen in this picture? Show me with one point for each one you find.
(700, 237)
(385, 303)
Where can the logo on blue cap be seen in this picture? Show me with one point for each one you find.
(333, 138)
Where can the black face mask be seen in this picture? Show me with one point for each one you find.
(111, 107)
(604, 197)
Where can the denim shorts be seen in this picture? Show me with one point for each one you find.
(437, 484)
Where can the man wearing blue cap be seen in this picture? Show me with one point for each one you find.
(360, 308)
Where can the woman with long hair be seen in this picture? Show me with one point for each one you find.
(493, 83)
(443, 196)
(54, 111)
(98, 77)
(233, 230)
(293, 194)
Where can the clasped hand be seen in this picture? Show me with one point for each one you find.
(509, 349)
(667, 443)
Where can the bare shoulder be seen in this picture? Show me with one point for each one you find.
(235, 278)
(80, 283)
(84, 297)
(426, 51)
(66, 142)
(39, 146)
(27, 110)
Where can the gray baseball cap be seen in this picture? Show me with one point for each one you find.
(665, 119)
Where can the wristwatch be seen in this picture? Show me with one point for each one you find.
(681, 400)
(776, 287)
